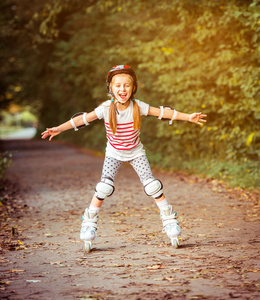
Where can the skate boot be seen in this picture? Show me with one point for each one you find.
(88, 228)
(171, 225)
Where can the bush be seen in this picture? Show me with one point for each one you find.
(5, 162)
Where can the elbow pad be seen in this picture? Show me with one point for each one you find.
(84, 120)
(162, 111)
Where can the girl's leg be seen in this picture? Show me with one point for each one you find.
(168, 216)
(109, 171)
(142, 167)
(103, 188)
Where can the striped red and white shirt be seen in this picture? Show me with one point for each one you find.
(125, 138)
(125, 144)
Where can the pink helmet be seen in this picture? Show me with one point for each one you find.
(122, 69)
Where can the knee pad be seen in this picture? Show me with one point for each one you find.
(104, 188)
(153, 188)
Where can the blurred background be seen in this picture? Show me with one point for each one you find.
(192, 55)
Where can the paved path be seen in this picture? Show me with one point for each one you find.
(26, 133)
(132, 259)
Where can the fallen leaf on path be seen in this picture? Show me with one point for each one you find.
(159, 279)
(170, 278)
(155, 267)
(56, 262)
(15, 271)
(48, 235)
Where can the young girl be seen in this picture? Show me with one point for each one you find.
(122, 117)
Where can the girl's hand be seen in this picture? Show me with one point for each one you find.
(197, 118)
(52, 132)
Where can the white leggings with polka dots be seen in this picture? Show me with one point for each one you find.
(140, 164)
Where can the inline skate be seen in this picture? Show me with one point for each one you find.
(88, 228)
(170, 225)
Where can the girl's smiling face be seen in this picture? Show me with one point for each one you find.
(122, 87)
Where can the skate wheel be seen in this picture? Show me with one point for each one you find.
(175, 243)
(87, 246)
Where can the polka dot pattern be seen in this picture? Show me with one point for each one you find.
(142, 168)
(140, 164)
(110, 167)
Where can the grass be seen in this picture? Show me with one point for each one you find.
(245, 174)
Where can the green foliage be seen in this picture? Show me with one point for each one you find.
(239, 174)
(192, 55)
(5, 162)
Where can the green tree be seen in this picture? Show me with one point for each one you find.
(192, 55)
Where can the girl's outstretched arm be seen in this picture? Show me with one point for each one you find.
(197, 118)
(78, 121)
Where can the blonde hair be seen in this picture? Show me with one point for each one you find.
(113, 112)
